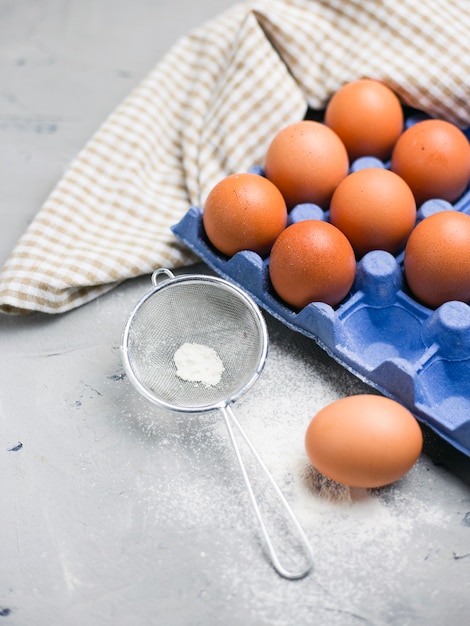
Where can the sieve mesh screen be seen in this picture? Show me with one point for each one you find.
(203, 312)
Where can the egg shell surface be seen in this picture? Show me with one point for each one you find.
(433, 157)
(375, 209)
(306, 161)
(363, 441)
(312, 261)
(244, 212)
(367, 116)
(437, 259)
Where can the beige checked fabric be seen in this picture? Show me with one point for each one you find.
(209, 108)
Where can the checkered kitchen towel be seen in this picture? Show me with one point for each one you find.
(209, 108)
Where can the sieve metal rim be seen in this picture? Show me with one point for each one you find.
(172, 280)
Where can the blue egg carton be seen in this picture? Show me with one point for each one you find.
(379, 332)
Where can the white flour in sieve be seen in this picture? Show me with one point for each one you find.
(198, 363)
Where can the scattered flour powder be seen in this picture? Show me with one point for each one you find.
(368, 544)
(196, 362)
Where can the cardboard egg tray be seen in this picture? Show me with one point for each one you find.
(413, 354)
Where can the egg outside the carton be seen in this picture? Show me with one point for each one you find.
(306, 160)
(363, 441)
(367, 116)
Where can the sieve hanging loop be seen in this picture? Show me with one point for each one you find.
(159, 272)
(205, 310)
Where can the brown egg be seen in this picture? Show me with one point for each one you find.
(437, 259)
(363, 441)
(244, 212)
(312, 261)
(367, 116)
(433, 157)
(375, 209)
(306, 161)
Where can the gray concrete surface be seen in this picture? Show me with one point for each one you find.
(115, 512)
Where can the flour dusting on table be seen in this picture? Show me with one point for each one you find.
(198, 363)
(359, 537)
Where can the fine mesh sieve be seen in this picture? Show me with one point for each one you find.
(210, 312)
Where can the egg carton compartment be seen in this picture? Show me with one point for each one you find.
(407, 351)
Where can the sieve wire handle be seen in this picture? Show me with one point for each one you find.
(230, 418)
